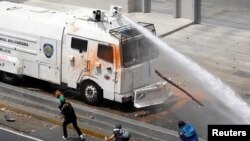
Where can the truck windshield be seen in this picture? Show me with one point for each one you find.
(138, 51)
(135, 48)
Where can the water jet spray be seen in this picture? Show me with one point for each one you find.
(178, 87)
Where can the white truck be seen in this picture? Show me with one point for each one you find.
(99, 54)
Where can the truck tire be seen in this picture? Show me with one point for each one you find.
(91, 93)
(10, 78)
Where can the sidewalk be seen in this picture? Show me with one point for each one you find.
(163, 23)
(222, 51)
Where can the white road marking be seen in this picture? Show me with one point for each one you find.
(13, 132)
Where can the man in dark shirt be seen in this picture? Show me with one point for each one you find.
(69, 115)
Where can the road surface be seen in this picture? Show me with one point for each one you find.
(10, 135)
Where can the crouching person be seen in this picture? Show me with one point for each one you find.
(187, 132)
(119, 134)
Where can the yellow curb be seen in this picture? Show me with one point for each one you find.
(53, 121)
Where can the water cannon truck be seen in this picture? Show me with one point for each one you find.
(99, 54)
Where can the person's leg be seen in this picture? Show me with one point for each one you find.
(65, 133)
(74, 122)
(127, 139)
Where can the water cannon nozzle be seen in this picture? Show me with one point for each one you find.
(98, 15)
(115, 11)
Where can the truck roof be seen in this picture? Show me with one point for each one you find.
(49, 23)
(16, 10)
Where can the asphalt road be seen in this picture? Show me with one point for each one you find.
(9, 135)
(29, 128)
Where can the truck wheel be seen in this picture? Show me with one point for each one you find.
(91, 93)
(10, 78)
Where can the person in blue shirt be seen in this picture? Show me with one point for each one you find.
(187, 132)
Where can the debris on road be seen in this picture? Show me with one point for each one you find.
(9, 118)
(142, 113)
(3, 109)
(34, 89)
(33, 131)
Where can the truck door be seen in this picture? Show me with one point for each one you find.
(105, 69)
(74, 60)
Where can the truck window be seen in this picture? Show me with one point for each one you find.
(138, 51)
(79, 44)
(105, 53)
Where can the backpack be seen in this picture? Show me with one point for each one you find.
(125, 133)
(188, 130)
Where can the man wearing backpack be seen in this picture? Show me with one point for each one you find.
(187, 132)
(119, 133)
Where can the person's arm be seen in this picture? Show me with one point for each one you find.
(63, 109)
(60, 106)
(181, 135)
(109, 138)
